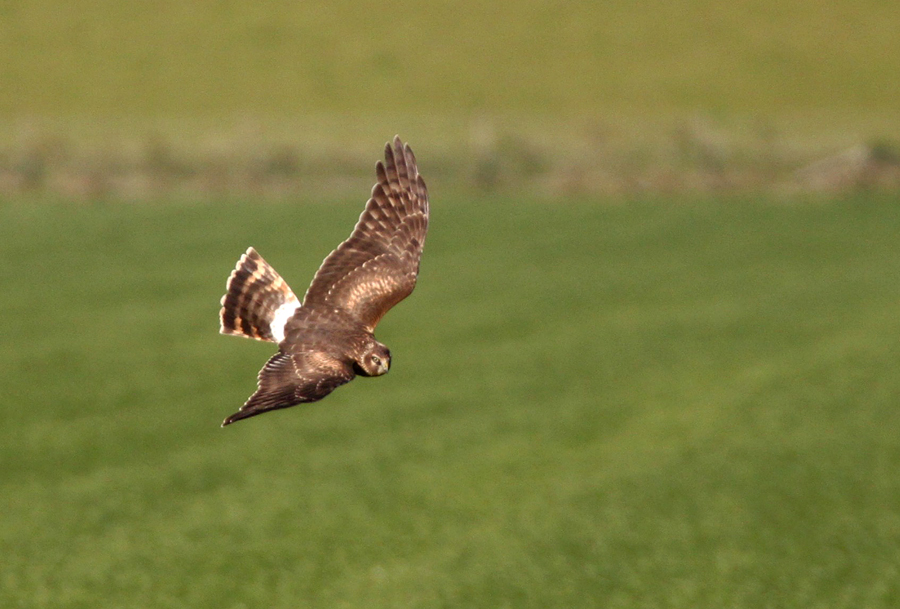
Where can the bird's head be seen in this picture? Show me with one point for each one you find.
(375, 361)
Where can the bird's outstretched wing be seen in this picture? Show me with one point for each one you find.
(377, 266)
(289, 379)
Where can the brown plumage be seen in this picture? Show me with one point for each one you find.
(328, 340)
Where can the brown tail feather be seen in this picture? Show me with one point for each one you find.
(255, 295)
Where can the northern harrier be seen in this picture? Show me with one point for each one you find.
(328, 339)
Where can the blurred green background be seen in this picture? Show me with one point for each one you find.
(205, 98)
(797, 60)
(652, 359)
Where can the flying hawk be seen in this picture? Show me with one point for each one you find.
(328, 339)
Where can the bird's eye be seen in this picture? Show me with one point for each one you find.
(376, 360)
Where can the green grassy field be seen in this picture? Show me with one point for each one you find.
(660, 404)
(797, 59)
(208, 98)
(211, 74)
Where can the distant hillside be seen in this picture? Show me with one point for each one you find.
(137, 100)
(789, 58)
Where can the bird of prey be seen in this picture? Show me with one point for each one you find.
(328, 339)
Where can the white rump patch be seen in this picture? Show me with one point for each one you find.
(281, 317)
